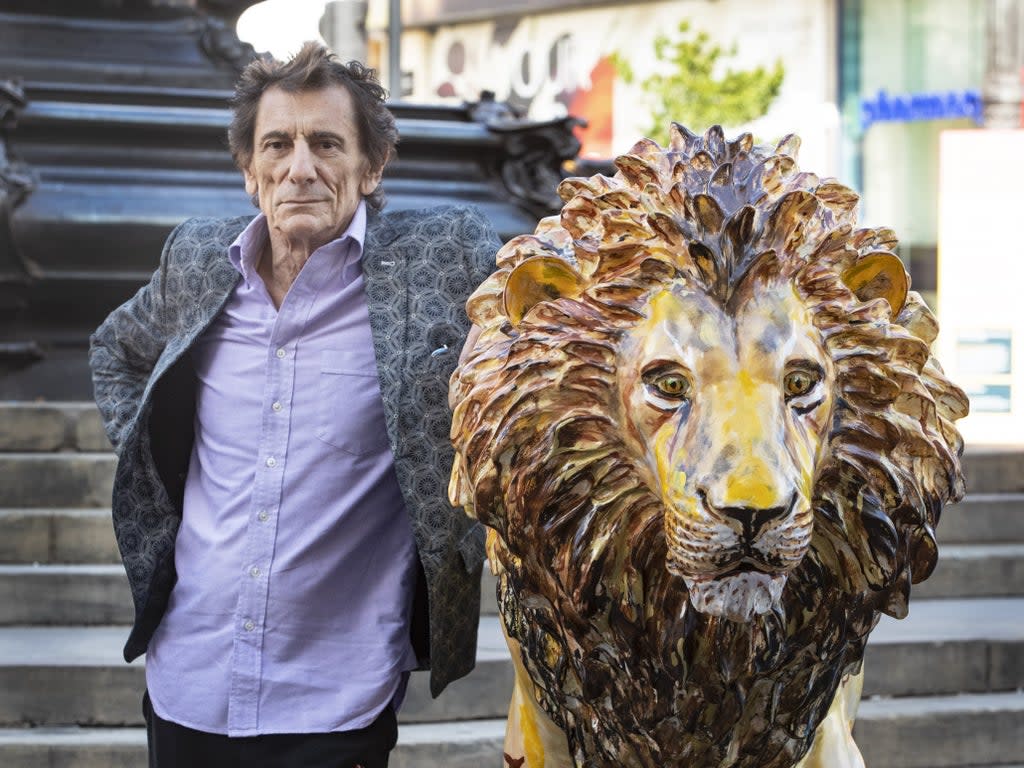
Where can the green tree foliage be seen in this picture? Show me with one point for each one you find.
(686, 89)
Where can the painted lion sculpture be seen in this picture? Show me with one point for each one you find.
(703, 425)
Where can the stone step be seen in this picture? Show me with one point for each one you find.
(994, 469)
(51, 426)
(921, 732)
(942, 731)
(75, 675)
(56, 479)
(995, 518)
(975, 570)
(64, 595)
(73, 747)
(469, 744)
(57, 536)
(948, 646)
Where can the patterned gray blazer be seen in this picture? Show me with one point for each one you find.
(419, 268)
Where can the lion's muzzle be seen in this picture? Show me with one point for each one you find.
(735, 559)
(749, 521)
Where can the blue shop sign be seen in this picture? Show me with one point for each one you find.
(941, 105)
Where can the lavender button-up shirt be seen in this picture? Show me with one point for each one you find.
(295, 558)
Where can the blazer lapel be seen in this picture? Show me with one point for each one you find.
(385, 273)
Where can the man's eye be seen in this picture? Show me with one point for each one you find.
(799, 382)
(674, 386)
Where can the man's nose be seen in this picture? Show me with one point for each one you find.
(303, 166)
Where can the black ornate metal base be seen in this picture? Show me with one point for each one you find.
(114, 115)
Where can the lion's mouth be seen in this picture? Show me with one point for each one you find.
(747, 565)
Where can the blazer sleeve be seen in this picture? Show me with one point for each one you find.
(124, 350)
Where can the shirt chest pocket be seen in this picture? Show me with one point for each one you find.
(350, 412)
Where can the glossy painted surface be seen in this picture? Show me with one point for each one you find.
(702, 422)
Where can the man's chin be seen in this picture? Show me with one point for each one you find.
(304, 225)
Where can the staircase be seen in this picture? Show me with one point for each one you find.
(943, 687)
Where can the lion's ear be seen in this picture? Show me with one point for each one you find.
(879, 275)
(543, 278)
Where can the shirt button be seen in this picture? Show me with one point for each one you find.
(263, 516)
(271, 462)
(276, 406)
(254, 572)
(249, 625)
(281, 352)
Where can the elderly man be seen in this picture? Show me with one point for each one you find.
(277, 395)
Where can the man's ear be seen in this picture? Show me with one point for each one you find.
(371, 180)
(251, 187)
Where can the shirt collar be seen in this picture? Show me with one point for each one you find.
(244, 253)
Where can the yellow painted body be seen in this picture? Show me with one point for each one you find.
(833, 745)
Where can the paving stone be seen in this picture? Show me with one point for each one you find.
(948, 646)
(64, 594)
(68, 676)
(983, 518)
(942, 731)
(56, 479)
(26, 537)
(975, 570)
(57, 536)
(468, 744)
(88, 431)
(73, 748)
(31, 427)
(994, 469)
(51, 426)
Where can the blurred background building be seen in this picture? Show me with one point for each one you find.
(870, 86)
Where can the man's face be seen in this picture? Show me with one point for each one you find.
(307, 169)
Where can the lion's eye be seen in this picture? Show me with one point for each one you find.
(800, 381)
(674, 386)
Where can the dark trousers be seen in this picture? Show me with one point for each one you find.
(175, 746)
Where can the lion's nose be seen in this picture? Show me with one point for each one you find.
(750, 521)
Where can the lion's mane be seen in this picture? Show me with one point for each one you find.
(633, 674)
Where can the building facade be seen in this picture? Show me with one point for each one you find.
(547, 59)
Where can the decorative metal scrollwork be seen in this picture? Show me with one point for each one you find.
(535, 152)
(220, 43)
(16, 182)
